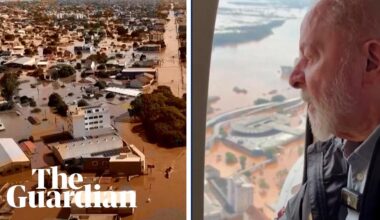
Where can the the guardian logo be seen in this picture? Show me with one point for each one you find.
(66, 189)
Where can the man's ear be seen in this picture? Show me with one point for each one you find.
(372, 69)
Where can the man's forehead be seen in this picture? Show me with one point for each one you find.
(313, 27)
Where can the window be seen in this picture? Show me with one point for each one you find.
(252, 159)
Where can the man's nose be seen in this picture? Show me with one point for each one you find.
(297, 78)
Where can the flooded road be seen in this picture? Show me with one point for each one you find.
(171, 72)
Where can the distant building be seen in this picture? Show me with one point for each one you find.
(156, 36)
(18, 50)
(12, 158)
(88, 120)
(149, 48)
(131, 73)
(124, 91)
(130, 163)
(23, 62)
(5, 53)
(213, 210)
(234, 193)
(142, 81)
(28, 147)
(239, 193)
(84, 49)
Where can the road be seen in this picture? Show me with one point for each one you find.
(171, 72)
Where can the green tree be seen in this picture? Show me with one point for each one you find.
(101, 84)
(82, 103)
(263, 184)
(260, 101)
(9, 85)
(62, 71)
(54, 99)
(231, 158)
(62, 108)
(278, 98)
(78, 66)
(110, 95)
(28, 52)
(163, 116)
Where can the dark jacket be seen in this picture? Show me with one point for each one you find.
(326, 170)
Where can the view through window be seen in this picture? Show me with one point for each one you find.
(255, 120)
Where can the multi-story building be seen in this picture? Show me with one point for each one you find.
(88, 120)
(239, 193)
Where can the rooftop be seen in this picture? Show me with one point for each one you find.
(10, 152)
(140, 70)
(123, 91)
(94, 147)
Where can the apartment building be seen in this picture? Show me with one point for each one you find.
(89, 120)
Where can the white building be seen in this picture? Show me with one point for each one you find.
(18, 50)
(89, 120)
(12, 158)
(239, 193)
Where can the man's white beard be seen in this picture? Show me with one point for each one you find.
(321, 124)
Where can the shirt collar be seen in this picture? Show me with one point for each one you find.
(361, 156)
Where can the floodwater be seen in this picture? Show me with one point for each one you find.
(171, 72)
(18, 127)
(168, 195)
(254, 66)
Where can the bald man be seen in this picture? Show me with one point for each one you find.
(338, 74)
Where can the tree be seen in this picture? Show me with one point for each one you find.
(24, 99)
(9, 85)
(260, 101)
(121, 30)
(101, 67)
(28, 52)
(49, 50)
(163, 116)
(278, 98)
(82, 103)
(231, 158)
(62, 71)
(263, 184)
(98, 57)
(142, 57)
(62, 108)
(242, 160)
(270, 152)
(222, 132)
(101, 84)
(110, 95)
(54, 99)
(78, 66)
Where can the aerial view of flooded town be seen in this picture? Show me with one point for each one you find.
(96, 88)
(255, 120)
